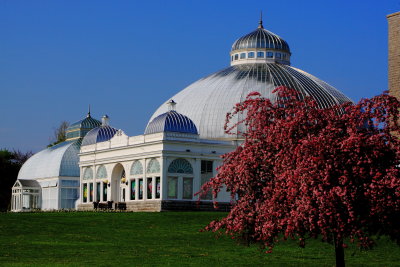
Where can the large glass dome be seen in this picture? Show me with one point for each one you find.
(207, 100)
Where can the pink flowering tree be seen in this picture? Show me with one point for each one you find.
(306, 172)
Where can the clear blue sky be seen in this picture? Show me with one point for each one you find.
(125, 58)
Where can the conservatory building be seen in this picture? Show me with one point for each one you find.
(184, 139)
(49, 180)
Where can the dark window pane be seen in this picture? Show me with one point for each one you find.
(140, 188)
(98, 192)
(91, 192)
(158, 187)
(85, 192)
(149, 188)
(104, 192)
(133, 189)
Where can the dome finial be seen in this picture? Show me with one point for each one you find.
(105, 120)
(88, 114)
(260, 23)
(171, 105)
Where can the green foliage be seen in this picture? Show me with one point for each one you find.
(154, 239)
(60, 134)
(10, 163)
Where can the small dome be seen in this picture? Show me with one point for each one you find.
(260, 46)
(171, 121)
(81, 128)
(261, 38)
(99, 134)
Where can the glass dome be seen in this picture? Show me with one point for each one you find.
(59, 160)
(207, 100)
(260, 62)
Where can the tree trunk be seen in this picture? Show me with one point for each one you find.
(339, 251)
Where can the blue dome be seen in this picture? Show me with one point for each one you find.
(171, 121)
(99, 134)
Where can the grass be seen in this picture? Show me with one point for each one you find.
(154, 239)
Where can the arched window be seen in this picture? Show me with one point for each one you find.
(153, 166)
(180, 166)
(250, 55)
(242, 55)
(88, 174)
(101, 172)
(137, 168)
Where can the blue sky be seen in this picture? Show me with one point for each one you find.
(126, 58)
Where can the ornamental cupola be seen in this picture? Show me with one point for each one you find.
(260, 46)
(80, 128)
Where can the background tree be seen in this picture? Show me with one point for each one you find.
(60, 134)
(308, 172)
(10, 163)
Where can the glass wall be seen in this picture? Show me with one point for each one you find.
(69, 193)
(68, 197)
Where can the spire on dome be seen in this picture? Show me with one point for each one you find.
(260, 23)
(88, 114)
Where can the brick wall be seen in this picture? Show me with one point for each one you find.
(394, 54)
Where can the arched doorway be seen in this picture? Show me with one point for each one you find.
(117, 175)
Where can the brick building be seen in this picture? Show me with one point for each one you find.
(394, 53)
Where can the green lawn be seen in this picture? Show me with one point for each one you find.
(149, 239)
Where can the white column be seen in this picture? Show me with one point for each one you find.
(164, 178)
